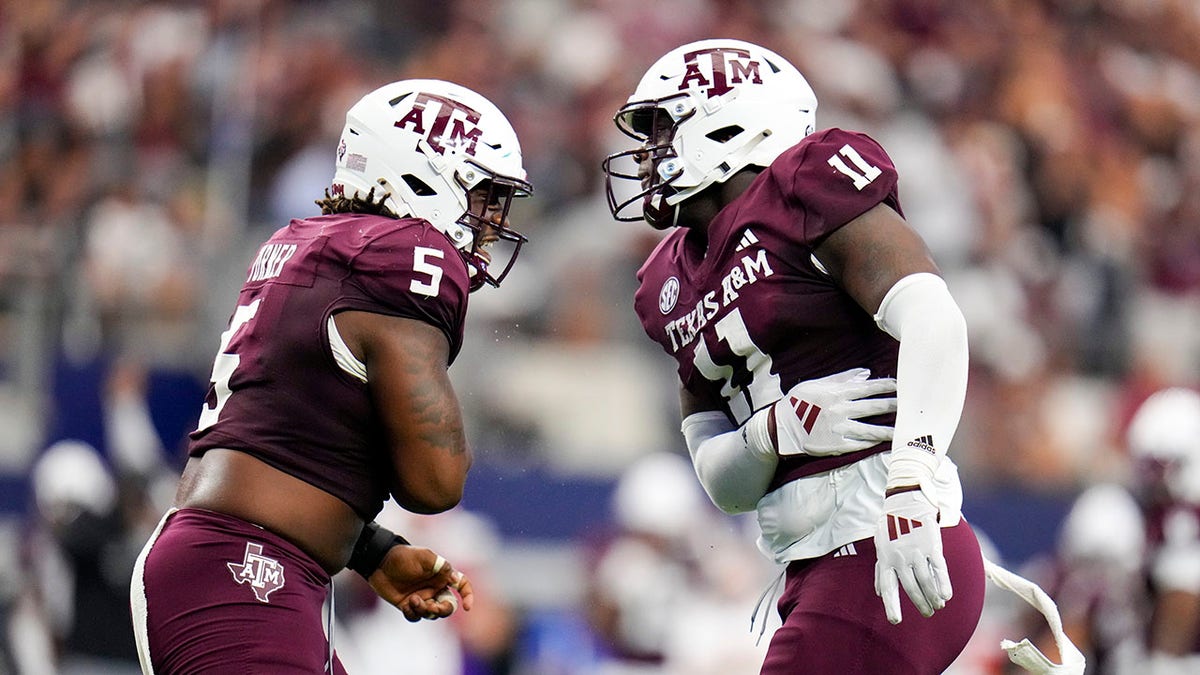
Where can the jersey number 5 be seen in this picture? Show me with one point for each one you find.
(421, 256)
(225, 364)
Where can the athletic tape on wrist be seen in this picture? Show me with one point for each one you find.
(907, 469)
(756, 433)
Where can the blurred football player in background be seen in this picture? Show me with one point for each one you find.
(82, 549)
(659, 590)
(330, 393)
(1164, 443)
(790, 279)
(645, 572)
(1095, 576)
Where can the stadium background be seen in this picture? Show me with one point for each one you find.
(1049, 152)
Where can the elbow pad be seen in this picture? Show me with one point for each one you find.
(931, 374)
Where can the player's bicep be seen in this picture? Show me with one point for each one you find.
(869, 254)
(406, 362)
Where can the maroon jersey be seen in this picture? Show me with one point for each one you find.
(1173, 526)
(277, 393)
(751, 315)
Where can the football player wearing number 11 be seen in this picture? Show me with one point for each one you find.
(789, 279)
(330, 393)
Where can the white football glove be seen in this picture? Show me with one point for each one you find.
(908, 546)
(818, 417)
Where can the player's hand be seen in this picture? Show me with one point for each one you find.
(420, 583)
(818, 417)
(908, 546)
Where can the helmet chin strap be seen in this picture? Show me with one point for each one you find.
(655, 211)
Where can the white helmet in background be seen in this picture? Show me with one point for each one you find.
(422, 145)
(1164, 437)
(703, 112)
(1104, 525)
(69, 478)
(659, 495)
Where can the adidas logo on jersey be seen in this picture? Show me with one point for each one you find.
(924, 443)
(748, 239)
(848, 549)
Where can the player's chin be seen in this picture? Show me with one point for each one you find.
(659, 218)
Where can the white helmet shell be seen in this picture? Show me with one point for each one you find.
(70, 476)
(659, 495)
(732, 104)
(1166, 429)
(1104, 525)
(422, 145)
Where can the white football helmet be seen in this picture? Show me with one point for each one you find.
(423, 145)
(658, 495)
(1164, 439)
(703, 112)
(1104, 525)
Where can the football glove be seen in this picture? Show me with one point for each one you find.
(819, 417)
(908, 546)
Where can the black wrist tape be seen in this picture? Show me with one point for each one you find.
(372, 546)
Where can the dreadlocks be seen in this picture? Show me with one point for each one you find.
(330, 205)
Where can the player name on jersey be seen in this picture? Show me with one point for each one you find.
(683, 330)
(269, 261)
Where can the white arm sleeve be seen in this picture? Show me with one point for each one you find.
(931, 375)
(734, 477)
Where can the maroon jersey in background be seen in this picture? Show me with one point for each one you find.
(277, 393)
(1172, 527)
(752, 315)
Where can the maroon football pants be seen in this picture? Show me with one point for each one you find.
(834, 623)
(217, 594)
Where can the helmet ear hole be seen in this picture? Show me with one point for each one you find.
(724, 133)
(418, 186)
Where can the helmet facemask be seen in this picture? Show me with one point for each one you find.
(494, 244)
(654, 125)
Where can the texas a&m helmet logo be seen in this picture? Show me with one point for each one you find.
(454, 125)
(263, 574)
(717, 69)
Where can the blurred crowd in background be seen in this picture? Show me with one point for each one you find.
(1048, 150)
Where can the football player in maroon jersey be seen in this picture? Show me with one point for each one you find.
(789, 279)
(330, 393)
(1164, 442)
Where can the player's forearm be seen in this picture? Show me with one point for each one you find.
(931, 373)
(733, 477)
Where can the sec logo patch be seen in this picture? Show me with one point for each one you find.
(669, 295)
